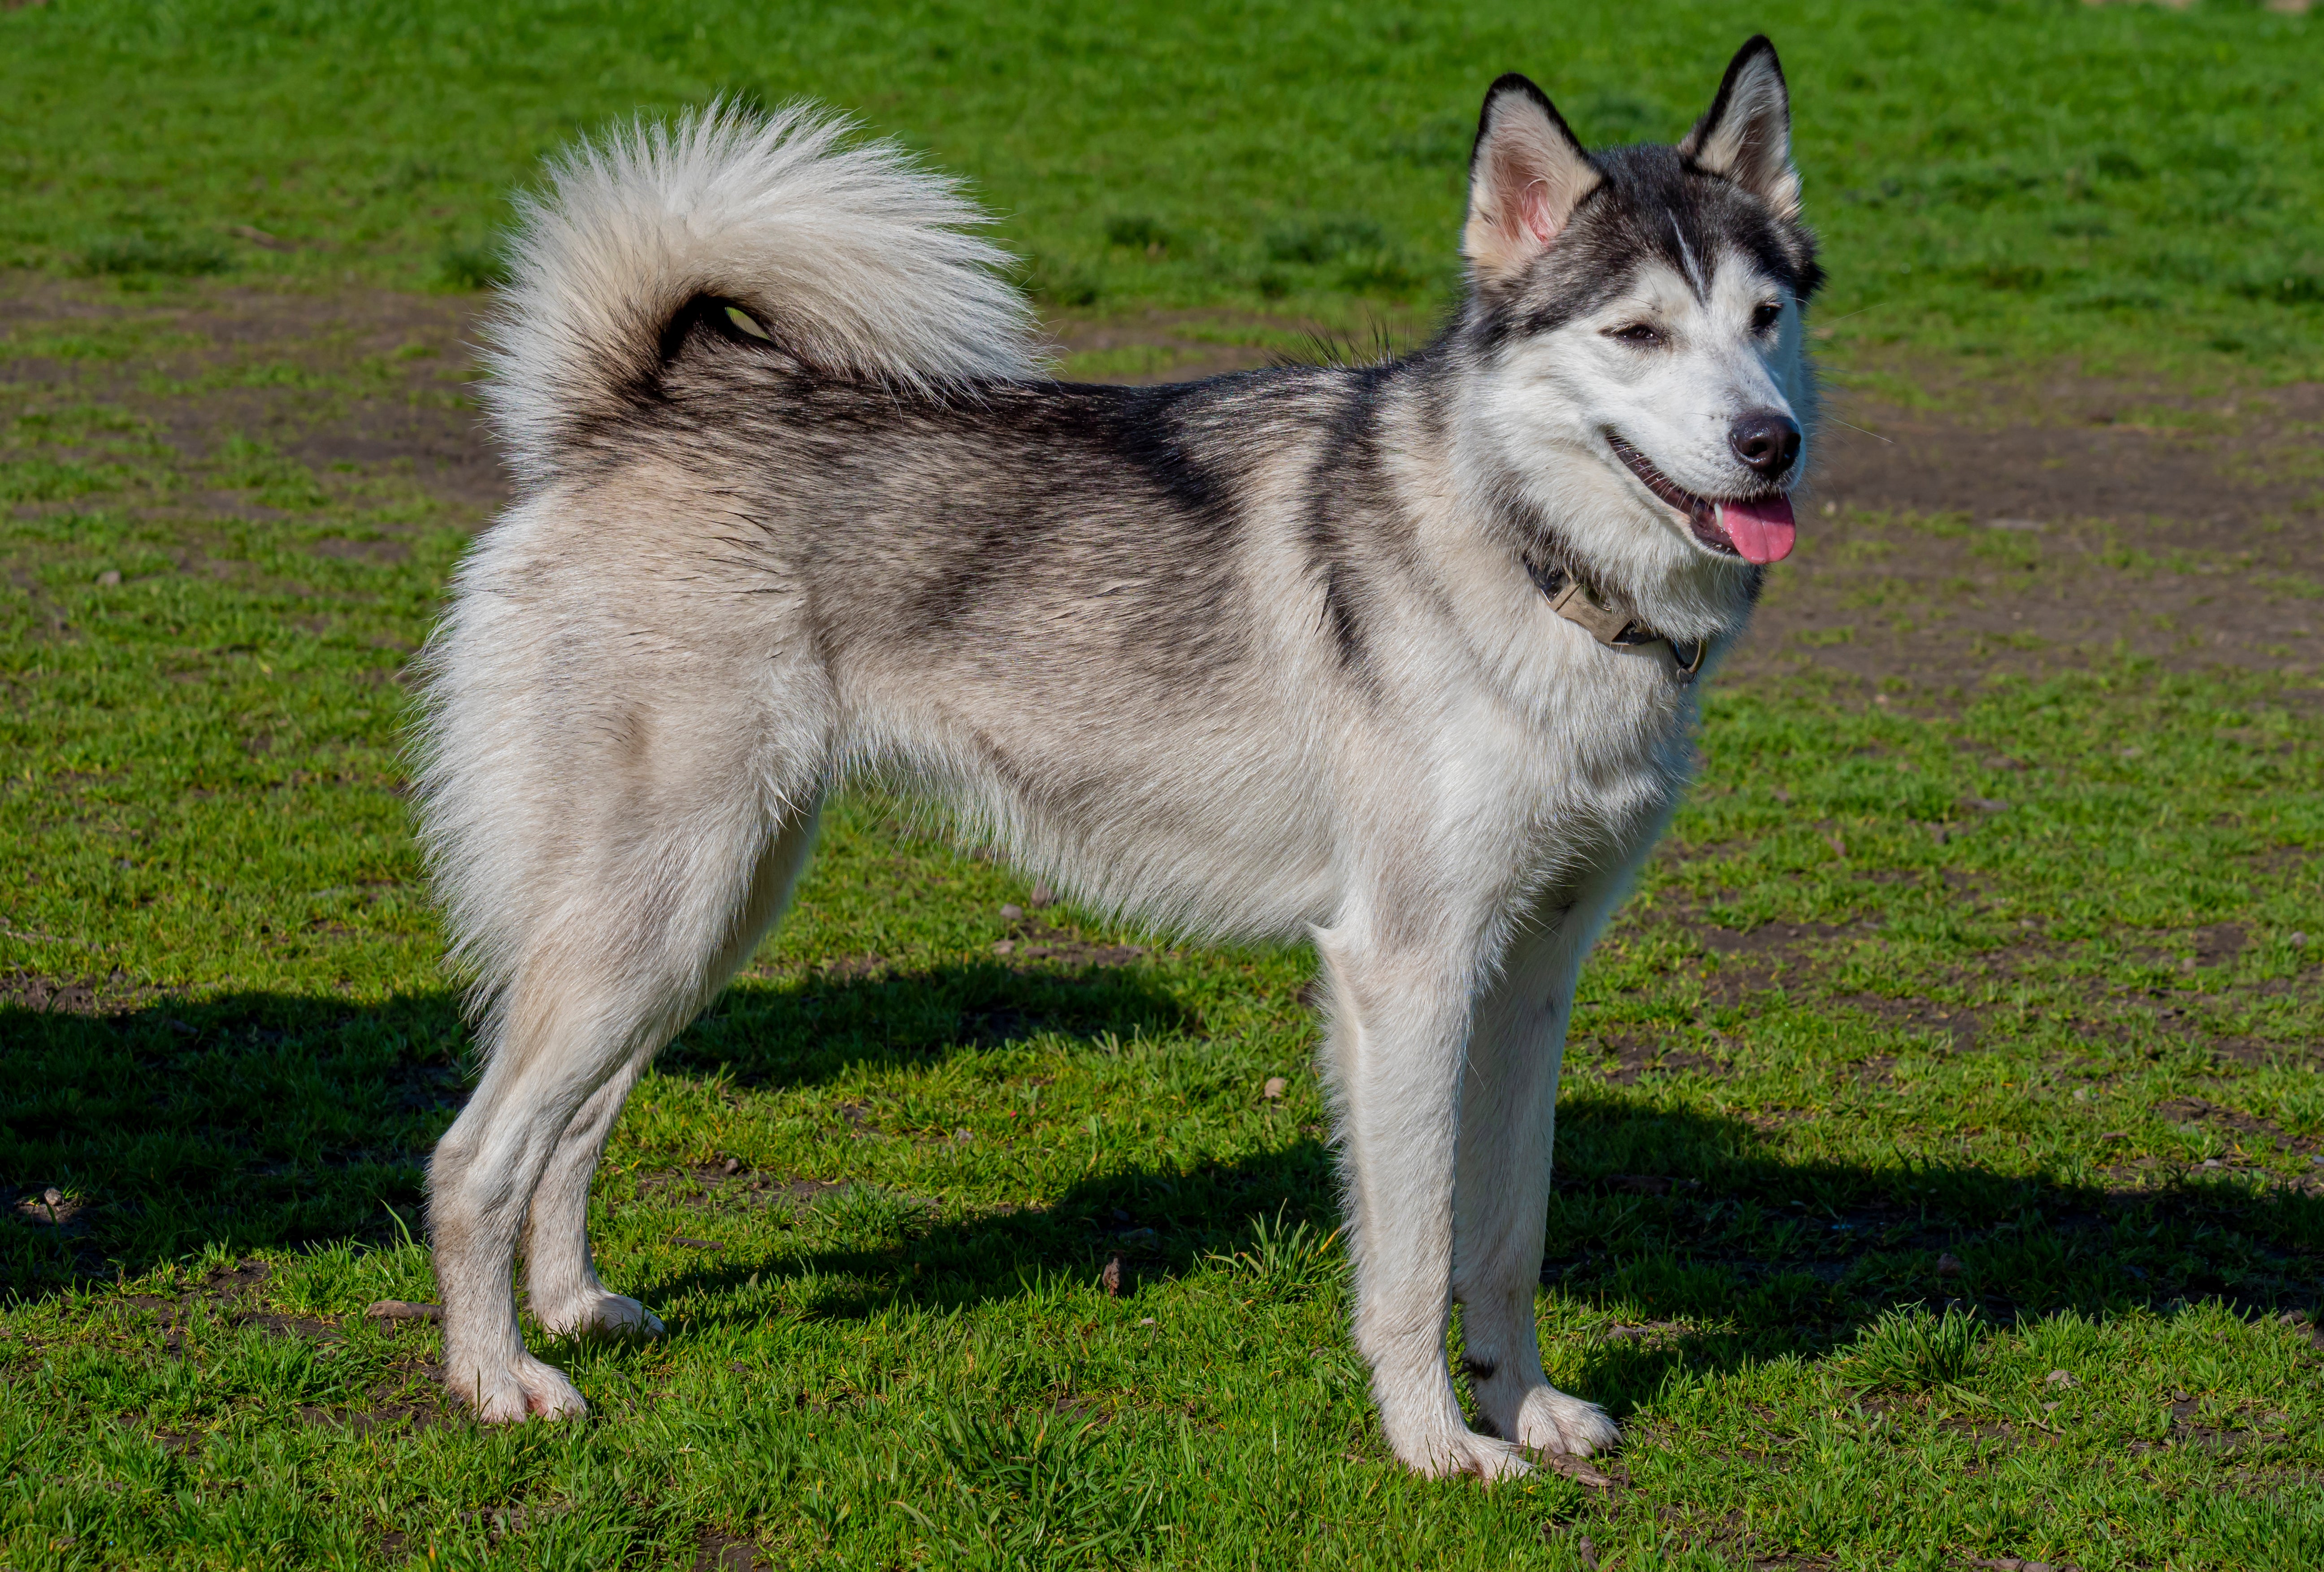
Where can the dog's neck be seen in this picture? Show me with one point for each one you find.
(1704, 599)
(1605, 618)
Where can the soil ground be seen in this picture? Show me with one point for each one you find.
(1980, 529)
(2002, 527)
(2016, 529)
(1986, 528)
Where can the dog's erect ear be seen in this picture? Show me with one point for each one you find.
(1746, 136)
(1525, 176)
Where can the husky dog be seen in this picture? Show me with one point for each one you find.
(1397, 658)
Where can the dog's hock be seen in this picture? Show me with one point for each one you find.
(1745, 135)
(1526, 176)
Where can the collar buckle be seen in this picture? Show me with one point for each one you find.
(1616, 628)
(1577, 604)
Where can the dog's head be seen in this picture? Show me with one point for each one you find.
(1637, 313)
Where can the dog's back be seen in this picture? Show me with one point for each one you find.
(792, 512)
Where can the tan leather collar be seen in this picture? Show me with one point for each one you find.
(1608, 621)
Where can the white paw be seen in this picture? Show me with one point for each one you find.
(1458, 1453)
(512, 1393)
(1551, 1421)
(602, 1315)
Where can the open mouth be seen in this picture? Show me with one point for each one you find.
(1757, 529)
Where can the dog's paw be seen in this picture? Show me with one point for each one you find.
(1551, 1421)
(602, 1315)
(1463, 1453)
(510, 1394)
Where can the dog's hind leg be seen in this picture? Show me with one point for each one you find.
(576, 1017)
(1509, 1107)
(612, 938)
(560, 1274)
(1399, 1017)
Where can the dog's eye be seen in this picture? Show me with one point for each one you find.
(747, 323)
(1642, 335)
(1765, 319)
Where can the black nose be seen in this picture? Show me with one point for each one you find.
(1767, 441)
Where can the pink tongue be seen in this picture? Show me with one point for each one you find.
(1761, 530)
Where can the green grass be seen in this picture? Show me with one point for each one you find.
(1820, 1262)
(1938, 1158)
(2113, 183)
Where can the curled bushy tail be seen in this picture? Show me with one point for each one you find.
(850, 253)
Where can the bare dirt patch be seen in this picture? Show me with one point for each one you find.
(234, 1294)
(718, 1551)
(727, 1183)
(1160, 346)
(2139, 1001)
(1032, 939)
(49, 1208)
(2022, 527)
(2056, 525)
(87, 995)
(2240, 1126)
(2017, 527)
(366, 379)
(1629, 1057)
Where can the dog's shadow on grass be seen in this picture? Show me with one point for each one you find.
(252, 1120)
(269, 1120)
(811, 1029)
(1677, 1238)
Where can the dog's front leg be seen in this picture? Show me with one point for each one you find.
(1508, 1119)
(1400, 1020)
